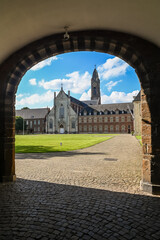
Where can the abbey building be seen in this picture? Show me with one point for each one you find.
(70, 115)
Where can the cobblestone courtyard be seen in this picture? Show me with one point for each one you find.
(91, 193)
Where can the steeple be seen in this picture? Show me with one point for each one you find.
(95, 74)
(95, 86)
(61, 86)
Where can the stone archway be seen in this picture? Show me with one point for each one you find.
(142, 55)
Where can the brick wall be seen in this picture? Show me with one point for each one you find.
(116, 123)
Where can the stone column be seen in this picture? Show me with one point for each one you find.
(7, 141)
(151, 135)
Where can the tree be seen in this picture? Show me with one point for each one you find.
(19, 124)
(25, 108)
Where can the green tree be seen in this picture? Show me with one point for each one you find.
(19, 124)
(25, 108)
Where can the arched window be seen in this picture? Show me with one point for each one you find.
(94, 91)
(50, 123)
(61, 111)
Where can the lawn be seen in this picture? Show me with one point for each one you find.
(57, 142)
(139, 138)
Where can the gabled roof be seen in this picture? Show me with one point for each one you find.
(32, 113)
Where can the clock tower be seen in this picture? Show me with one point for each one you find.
(95, 87)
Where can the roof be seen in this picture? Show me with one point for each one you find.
(113, 106)
(91, 102)
(138, 97)
(32, 113)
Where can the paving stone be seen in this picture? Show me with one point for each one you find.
(79, 195)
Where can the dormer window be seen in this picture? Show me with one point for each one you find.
(85, 113)
(95, 113)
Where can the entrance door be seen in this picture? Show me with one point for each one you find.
(61, 129)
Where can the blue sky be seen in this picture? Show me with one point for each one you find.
(119, 82)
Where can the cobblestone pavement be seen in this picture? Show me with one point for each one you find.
(91, 193)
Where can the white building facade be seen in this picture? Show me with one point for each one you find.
(62, 118)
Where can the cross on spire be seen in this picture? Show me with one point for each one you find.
(61, 85)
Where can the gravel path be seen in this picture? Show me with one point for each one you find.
(112, 165)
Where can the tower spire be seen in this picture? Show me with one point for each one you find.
(95, 87)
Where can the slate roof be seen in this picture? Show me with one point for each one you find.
(138, 97)
(91, 102)
(32, 113)
(113, 106)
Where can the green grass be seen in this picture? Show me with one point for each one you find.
(51, 143)
(139, 138)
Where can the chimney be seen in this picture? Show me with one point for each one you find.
(68, 93)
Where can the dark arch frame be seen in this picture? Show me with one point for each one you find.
(142, 55)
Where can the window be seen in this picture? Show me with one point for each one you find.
(73, 124)
(106, 128)
(84, 119)
(51, 123)
(90, 120)
(105, 119)
(95, 119)
(30, 124)
(117, 111)
(38, 122)
(117, 128)
(105, 112)
(117, 119)
(35, 129)
(35, 122)
(61, 112)
(111, 119)
(95, 128)
(111, 128)
(122, 119)
(90, 128)
(80, 128)
(95, 113)
(85, 128)
(38, 129)
(100, 119)
(80, 120)
(27, 122)
(123, 128)
(94, 90)
(100, 128)
(85, 113)
(129, 118)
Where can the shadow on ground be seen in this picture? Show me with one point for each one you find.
(42, 210)
(54, 154)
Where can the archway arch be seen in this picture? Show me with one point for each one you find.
(142, 55)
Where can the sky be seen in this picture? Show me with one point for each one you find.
(118, 80)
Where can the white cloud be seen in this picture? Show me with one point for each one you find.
(35, 99)
(113, 67)
(44, 63)
(32, 81)
(19, 95)
(86, 96)
(118, 97)
(112, 84)
(75, 82)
